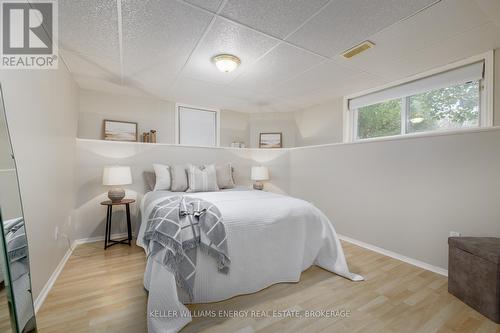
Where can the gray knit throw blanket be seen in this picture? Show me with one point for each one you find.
(178, 226)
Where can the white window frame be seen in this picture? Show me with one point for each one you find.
(350, 120)
(200, 108)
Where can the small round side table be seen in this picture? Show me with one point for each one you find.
(107, 238)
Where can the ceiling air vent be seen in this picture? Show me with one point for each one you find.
(358, 49)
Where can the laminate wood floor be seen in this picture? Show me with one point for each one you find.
(4, 311)
(102, 291)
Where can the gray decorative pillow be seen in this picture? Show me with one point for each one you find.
(179, 178)
(202, 179)
(149, 179)
(224, 176)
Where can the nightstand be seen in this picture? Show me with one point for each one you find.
(107, 237)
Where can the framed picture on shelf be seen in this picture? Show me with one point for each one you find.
(271, 140)
(115, 130)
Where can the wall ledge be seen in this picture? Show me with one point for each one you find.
(413, 136)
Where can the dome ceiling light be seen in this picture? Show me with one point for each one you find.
(226, 62)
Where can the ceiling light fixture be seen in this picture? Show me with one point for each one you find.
(226, 62)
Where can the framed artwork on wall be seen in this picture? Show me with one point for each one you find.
(271, 140)
(116, 130)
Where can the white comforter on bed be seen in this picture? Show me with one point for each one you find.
(271, 238)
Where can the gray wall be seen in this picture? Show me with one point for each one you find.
(269, 122)
(148, 113)
(320, 124)
(93, 155)
(9, 193)
(496, 102)
(405, 195)
(153, 113)
(234, 127)
(42, 107)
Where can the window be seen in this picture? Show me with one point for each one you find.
(381, 119)
(197, 126)
(452, 99)
(446, 108)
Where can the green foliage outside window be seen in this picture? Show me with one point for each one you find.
(380, 119)
(450, 107)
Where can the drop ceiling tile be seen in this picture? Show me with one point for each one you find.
(280, 64)
(335, 87)
(107, 86)
(326, 75)
(344, 24)
(206, 94)
(404, 38)
(470, 43)
(277, 18)
(226, 37)
(79, 65)
(196, 92)
(158, 36)
(211, 5)
(90, 28)
(491, 8)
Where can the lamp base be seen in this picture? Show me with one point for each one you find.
(116, 194)
(258, 186)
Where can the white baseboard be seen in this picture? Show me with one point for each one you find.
(98, 239)
(50, 283)
(395, 255)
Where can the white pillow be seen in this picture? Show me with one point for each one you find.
(162, 173)
(202, 179)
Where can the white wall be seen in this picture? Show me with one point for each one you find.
(9, 194)
(320, 124)
(267, 122)
(93, 155)
(149, 113)
(496, 102)
(234, 127)
(42, 107)
(405, 195)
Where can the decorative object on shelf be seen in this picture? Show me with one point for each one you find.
(115, 176)
(116, 130)
(236, 144)
(149, 137)
(152, 136)
(271, 140)
(259, 173)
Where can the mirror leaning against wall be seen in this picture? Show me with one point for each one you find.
(16, 303)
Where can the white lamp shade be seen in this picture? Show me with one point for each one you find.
(260, 173)
(116, 175)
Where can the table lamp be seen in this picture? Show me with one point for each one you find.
(259, 173)
(115, 176)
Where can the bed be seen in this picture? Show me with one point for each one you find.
(271, 238)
